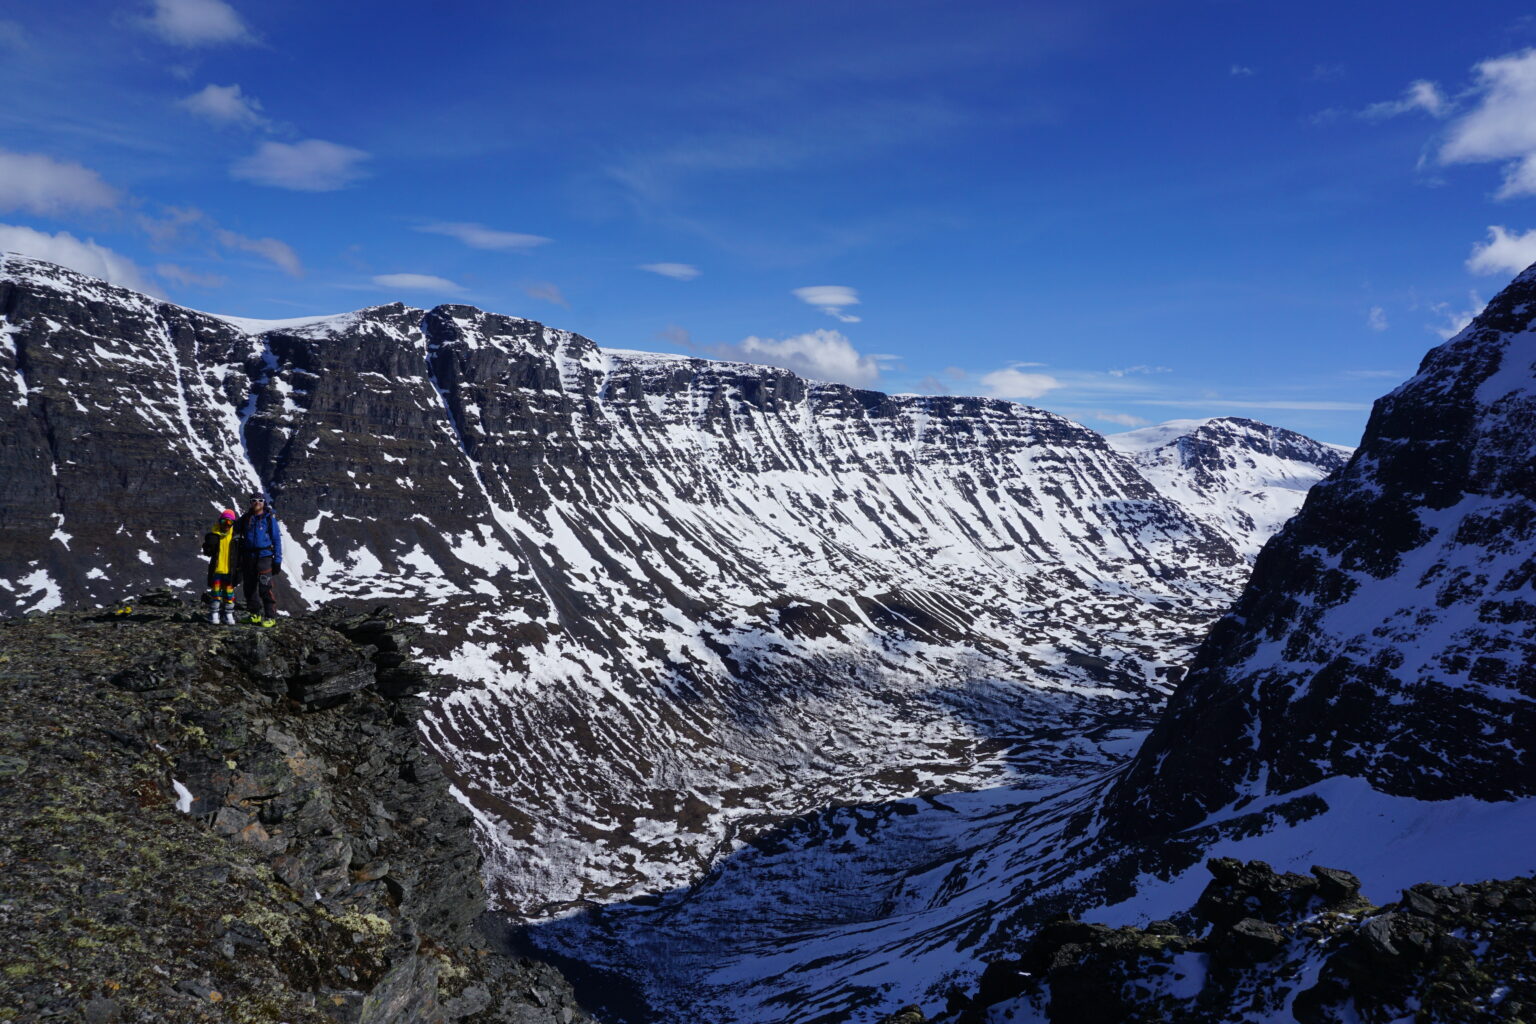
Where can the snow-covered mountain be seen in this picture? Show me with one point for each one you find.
(705, 602)
(1367, 702)
(1243, 478)
(1389, 632)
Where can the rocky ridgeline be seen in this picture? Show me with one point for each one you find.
(223, 823)
(1389, 631)
(1265, 946)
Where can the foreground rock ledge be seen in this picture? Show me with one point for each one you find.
(222, 823)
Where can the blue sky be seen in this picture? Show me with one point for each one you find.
(1124, 211)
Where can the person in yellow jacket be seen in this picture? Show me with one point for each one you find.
(222, 549)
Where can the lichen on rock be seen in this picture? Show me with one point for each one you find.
(321, 870)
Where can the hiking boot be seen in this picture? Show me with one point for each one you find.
(253, 619)
(213, 616)
(268, 623)
(227, 615)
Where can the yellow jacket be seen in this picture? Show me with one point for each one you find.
(218, 545)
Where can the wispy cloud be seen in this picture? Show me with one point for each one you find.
(187, 278)
(177, 228)
(820, 354)
(1014, 382)
(226, 105)
(1502, 125)
(831, 299)
(1240, 71)
(1124, 419)
(676, 334)
(478, 236)
(198, 23)
(676, 271)
(1141, 368)
(1254, 403)
(39, 184)
(13, 36)
(1376, 319)
(171, 226)
(313, 165)
(85, 256)
(1453, 320)
(418, 283)
(1503, 253)
(1421, 95)
(274, 251)
(546, 292)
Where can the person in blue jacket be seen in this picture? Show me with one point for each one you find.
(261, 558)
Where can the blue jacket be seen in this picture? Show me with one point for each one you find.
(260, 536)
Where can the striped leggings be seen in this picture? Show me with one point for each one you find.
(221, 589)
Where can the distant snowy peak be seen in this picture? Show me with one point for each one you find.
(1243, 478)
(1389, 632)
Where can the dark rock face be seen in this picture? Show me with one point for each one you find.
(234, 824)
(1389, 631)
(1308, 949)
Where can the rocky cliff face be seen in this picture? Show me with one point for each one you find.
(1260, 946)
(224, 824)
(1389, 631)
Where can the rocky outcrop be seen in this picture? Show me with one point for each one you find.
(1262, 946)
(225, 823)
(1389, 631)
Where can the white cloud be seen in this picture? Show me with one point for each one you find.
(277, 252)
(830, 299)
(478, 236)
(42, 185)
(198, 22)
(188, 278)
(1452, 320)
(227, 105)
(1127, 371)
(1125, 419)
(1241, 71)
(676, 271)
(309, 166)
(1503, 253)
(1015, 383)
(66, 250)
(1376, 319)
(1421, 95)
(417, 283)
(820, 354)
(547, 292)
(1503, 124)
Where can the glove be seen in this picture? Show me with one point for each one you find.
(277, 570)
